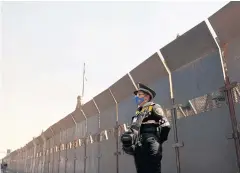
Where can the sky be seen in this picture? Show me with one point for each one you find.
(44, 46)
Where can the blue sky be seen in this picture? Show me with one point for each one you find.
(44, 45)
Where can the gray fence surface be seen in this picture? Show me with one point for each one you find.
(197, 81)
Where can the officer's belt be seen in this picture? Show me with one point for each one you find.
(149, 128)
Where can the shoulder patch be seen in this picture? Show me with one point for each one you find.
(158, 109)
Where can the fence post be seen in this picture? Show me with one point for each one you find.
(74, 135)
(228, 89)
(66, 150)
(99, 149)
(174, 116)
(117, 153)
(59, 150)
(34, 155)
(85, 142)
(53, 138)
(44, 152)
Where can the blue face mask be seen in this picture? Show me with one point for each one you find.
(138, 100)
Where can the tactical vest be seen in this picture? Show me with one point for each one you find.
(140, 115)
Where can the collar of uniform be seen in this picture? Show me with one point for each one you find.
(145, 105)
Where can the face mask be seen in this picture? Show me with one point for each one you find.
(138, 100)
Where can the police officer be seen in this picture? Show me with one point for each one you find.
(148, 130)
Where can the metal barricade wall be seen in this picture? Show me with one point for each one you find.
(225, 24)
(228, 38)
(187, 82)
(197, 72)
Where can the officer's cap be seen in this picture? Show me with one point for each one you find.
(145, 89)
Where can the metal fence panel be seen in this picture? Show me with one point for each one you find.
(70, 134)
(21, 167)
(56, 152)
(79, 163)
(168, 159)
(108, 119)
(225, 22)
(81, 129)
(56, 162)
(29, 159)
(51, 155)
(63, 152)
(70, 150)
(107, 107)
(92, 149)
(126, 108)
(36, 159)
(161, 86)
(47, 157)
(122, 91)
(233, 60)
(35, 166)
(205, 139)
(91, 112)
(198, 75)
(188, 47)
(198, 78)
(70, 160)
(237, 109)
(92, 158)
(108, 158)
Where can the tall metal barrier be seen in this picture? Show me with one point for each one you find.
(197, 72)
(197, 81)
(228, 38)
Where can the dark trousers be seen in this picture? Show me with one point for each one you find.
(148, 155)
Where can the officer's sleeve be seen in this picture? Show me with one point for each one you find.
(163, 122)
